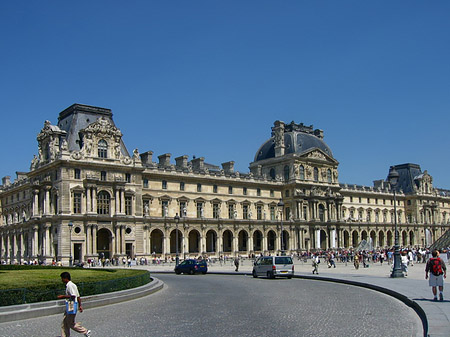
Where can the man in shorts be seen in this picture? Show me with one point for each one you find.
(438, 271)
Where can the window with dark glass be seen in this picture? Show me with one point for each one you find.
(215, 189)
(302, 172)
(329, 176)
(128, 201)
(199, 187)
(77, 174)
(77, 202)
(164, 185)
(103, 203)
(215, 211)
(244, 191)
(230, 211)
(258, 192)
(272, 193)
(200, 210)
(272, 212)
(145, 182)
(272, 173)
(102, 149)
(245, 212)
(103, 175)
(286, 173)
(128, 177)
(230, 189)
(316, 174)
(182, 208)
(259, 212)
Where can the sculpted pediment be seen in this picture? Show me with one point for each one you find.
(318, 154)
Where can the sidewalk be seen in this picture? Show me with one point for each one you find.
(414, 286)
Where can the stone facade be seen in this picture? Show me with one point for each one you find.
(86, 197)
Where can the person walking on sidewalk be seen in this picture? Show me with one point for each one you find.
(438, 270)
(69, 319)
(236, 263)
(315, 263)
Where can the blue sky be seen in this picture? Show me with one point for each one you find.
(209, 78)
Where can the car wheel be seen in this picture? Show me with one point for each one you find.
(289, 277)
(177, 272)
(270, 274)
(191, 272)
(254, 274)
(203, 272)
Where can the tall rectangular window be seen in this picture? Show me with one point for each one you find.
(259, 212)
(77, 203)
(128, 177)
(164, 185)
(145, 183)
(200, 213)
(245, 212)
(215, 189)
(165, 208)
(258, 192)
(199, 187)
(272, 193)
(216, 211)
(305, 213)
(231, 211)
(128, 201)
(77, 174)
(103, 176)
(230, 189)
(272, 213)
(183, 209)
(181, 185)
(244, 190)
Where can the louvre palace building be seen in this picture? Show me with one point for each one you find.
(87, 197)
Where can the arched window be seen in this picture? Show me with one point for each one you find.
(103, 202)
(329, 176)
(102, 149)
(286, 173)
(302, 172)
(316, 174)
(272, 173)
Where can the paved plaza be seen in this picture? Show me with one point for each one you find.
(238, 305)
(223, 305)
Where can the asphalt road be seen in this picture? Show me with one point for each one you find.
(220, 305)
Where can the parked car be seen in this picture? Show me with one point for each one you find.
(192, 267)
(273, 266)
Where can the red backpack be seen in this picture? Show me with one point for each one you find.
(436, 267)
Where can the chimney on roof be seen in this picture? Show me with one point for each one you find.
(198, 164)
(6, 181)
(164, 159)
(146, 157)
(181, 161)
(228, 167)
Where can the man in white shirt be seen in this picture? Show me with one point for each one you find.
(69, 319)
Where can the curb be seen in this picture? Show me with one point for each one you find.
(34, 310)
(410, 303)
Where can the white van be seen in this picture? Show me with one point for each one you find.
(273, 266)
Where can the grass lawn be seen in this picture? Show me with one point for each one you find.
(49, 277)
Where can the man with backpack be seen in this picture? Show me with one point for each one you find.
(438, 270)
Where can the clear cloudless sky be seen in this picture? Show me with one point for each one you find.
(209, 78)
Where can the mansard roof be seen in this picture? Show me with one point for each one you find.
(78, 117)
(407, 175)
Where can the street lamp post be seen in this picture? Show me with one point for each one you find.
(281, 207)
(177, 257)
(397, 271)
(70, 244)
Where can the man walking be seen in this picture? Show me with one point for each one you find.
(438, 270)
(69, 319)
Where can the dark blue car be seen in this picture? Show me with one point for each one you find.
(192, 267)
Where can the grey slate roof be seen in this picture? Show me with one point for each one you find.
(407, 175)
(79, 116)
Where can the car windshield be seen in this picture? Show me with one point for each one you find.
(283, 260)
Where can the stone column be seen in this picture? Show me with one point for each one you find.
(264, 243)
(122, 239)
(220, 242)
(278, 241)
(117, 202)
(333, 237)
(250, 248)
(94, 200)
(113, 243)
(317, 238)
(35, 205)
(47, 201)
(22, 245)
(35, 241)
(47, 241)
(88, 200)
(235, 243)
(83, 203)
(122, 201)
(88, 240)
(94, 240)
(133, 205)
